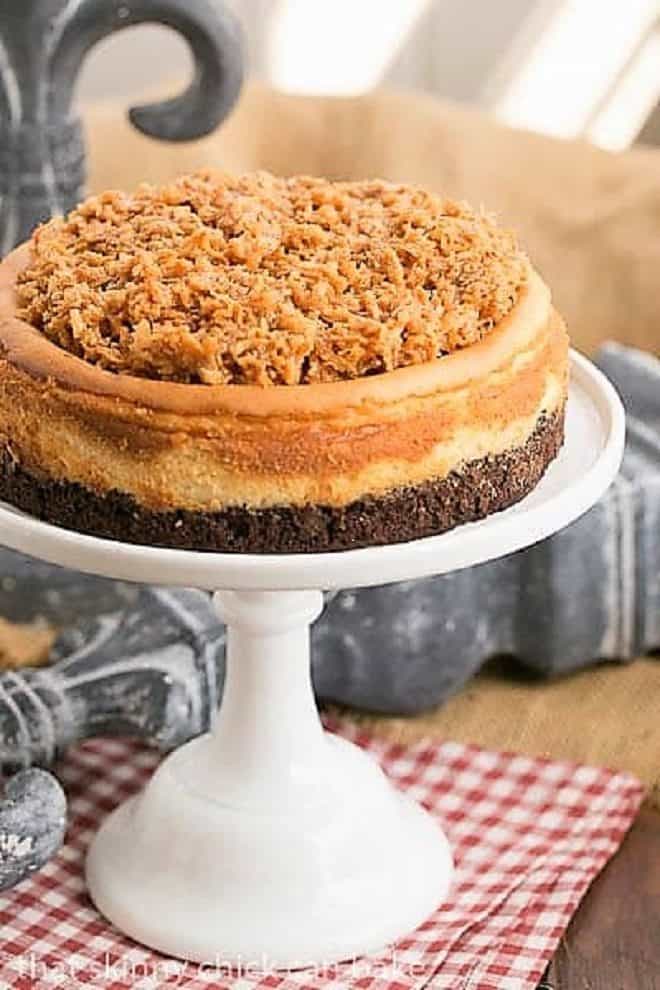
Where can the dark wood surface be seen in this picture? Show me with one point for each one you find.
(613, 942)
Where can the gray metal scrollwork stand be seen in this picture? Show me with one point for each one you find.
(151, 671)
(43, 44)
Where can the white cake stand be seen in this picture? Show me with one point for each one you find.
(270, 842)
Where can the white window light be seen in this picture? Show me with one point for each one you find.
(633, 98)
(339, 47)
(564, 74)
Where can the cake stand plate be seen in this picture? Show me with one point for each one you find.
(270, 843)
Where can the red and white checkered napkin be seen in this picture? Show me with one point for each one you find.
(528, 837)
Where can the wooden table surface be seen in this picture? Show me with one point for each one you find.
(613, 942)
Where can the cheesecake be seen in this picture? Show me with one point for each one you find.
(275, 365)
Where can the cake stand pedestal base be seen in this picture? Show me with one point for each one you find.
(269, 842)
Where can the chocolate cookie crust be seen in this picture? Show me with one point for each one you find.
(479, 489)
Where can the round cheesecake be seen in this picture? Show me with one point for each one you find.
(254, 364)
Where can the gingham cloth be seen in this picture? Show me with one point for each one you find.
(528, 837)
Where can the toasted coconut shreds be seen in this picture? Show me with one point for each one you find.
(258, 279)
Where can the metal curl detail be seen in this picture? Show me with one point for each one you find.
(213, 35)
(43, 44)
(32, 824)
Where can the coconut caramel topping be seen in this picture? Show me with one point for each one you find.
(254, 279)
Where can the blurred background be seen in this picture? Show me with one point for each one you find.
(567, 68)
